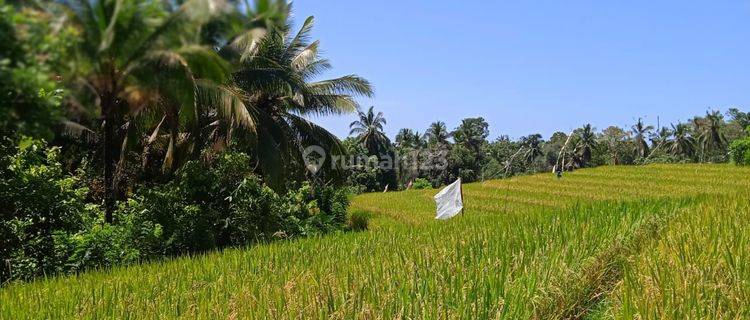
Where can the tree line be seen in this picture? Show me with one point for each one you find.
(469, 155)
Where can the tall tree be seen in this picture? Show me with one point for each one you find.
(586, 143)
(617, 140)
(127, 66)
(640, 132)
(369, 131)
(468, 153)
(437, 134)
(742, 119)
(274, 75)
(682, 143)
(659, 140)
(408, 139)
(532, 145)
(711, 134)
(472, 133)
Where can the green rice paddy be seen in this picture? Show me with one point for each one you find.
(658, 241)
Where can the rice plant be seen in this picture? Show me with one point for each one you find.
(659, 241)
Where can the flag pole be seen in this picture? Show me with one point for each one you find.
(461, 189)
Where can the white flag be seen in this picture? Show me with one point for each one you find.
(449, 201)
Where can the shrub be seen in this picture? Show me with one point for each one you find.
(102, 245)
(40, 206)
(739, 151)
(46, 227)
(421, 183)
(225, 204)
(359, 221)
(664, 158)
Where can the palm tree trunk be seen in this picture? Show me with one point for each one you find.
(199, 141)
(109, 158)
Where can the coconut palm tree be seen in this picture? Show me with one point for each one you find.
(711, 136)
(369, 131)
(274, 76)
(437, 134)
(533, 146)
(659, 140)
(641, 131)
(586, 143)
(127, 66)
(408, 139)
(682, 143)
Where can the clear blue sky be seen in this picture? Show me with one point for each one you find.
(537, 66)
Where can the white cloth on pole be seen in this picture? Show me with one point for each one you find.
(449, 201)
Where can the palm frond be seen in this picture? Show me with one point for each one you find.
(205, 63)
(78, 131)
(229, 104)
(148, 42)
(300, 41)
(305, 57)
(322, 104)
(109, 33)
(310, 133)
(350, 84)
(155, 133)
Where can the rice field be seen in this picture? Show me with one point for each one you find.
(658, 241)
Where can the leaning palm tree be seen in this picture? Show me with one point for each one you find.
(126, 66)
(437, 134)
(659, 140)
(369, 131)
(274, 78)
(641, 131)
(586, 143)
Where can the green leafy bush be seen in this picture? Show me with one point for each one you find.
(224, 204)
(664, 158)
(421, 183)
(739, 152)
(101, 245)
(46, 227)
(40, 206)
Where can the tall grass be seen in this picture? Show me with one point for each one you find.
(529, 247)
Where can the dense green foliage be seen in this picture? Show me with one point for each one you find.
(47, 227)
(30, 98)
(421, 183)
(153, 164)
(225, 204)
(739, 151)
(40, 206)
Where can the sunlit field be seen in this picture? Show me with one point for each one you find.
(658, 241)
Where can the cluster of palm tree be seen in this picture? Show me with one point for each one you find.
(703, 139)
(168, 82)
(472, 157)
